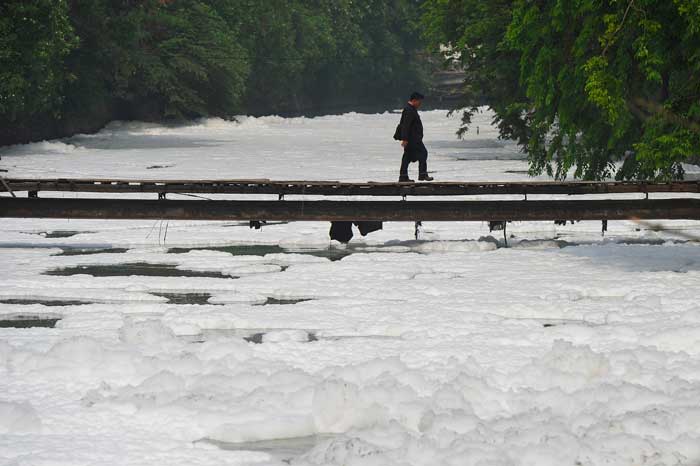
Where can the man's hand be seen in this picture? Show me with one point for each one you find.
(404, 143)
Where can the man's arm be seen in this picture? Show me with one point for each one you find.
(407, 119)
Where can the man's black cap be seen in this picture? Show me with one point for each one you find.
(416, 96)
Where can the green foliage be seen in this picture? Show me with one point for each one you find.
(79, 63)
(160, 59)
(601, 88)
(35, 37)
(321, 51)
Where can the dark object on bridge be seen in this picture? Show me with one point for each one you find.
(564, 222)
(411, 128)
(341, 231)
(497, 226)
(368, 227)
(257, 224)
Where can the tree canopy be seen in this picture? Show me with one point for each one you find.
(587, 87)
(72, 65)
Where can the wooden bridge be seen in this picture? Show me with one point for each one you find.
(299, 200)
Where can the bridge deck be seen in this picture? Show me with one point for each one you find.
(337, 188)
(118, 207)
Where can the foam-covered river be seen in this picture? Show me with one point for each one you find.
(209, 343)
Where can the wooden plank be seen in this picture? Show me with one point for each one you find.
(352, 210)
(325, 188)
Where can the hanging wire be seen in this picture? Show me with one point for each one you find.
(192, 195)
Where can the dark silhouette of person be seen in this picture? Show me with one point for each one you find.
(410, 132)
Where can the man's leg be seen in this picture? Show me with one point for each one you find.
(423, 163)
(405, 161)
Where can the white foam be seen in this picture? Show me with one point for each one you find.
(438, 351)
(18, 418)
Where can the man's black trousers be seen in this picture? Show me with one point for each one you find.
(414, 152)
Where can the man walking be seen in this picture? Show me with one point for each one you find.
(410, 132)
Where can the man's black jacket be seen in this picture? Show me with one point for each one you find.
(411, 126)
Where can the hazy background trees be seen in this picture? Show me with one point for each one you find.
(73, 65)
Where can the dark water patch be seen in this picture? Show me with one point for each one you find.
(137, 268)
(245, 250)
(158, 167)
(247, 224)
(251, 335)
(332, 254)
(357, 337)
(482, 156)
(185, 298)
(57, 233)
(133, 140)
(44, 302)
(259, 337)
(517, 172)
(617, 240)
(90, 251)
(484, 143)
(28, 321)
(285, 450)
(549, 323)
(282, 302)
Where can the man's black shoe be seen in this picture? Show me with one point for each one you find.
(405, 179)
(425, 178)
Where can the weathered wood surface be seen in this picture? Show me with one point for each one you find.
(352, 210)
(336, 188)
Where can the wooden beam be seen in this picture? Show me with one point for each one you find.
(335, 188)
(351, 210)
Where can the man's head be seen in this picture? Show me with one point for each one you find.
(416, 99)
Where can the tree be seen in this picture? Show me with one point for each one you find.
(35, 37)
(73, 65)
(307, 53)
(156, 59)
(600, 88)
